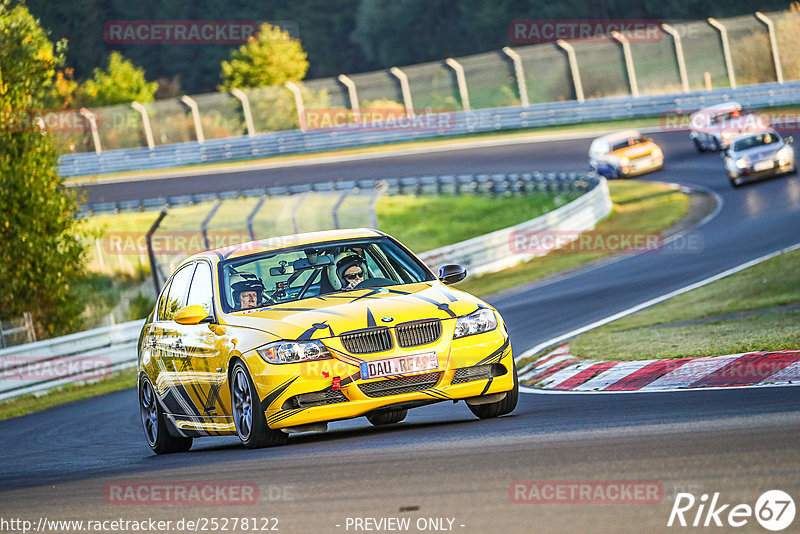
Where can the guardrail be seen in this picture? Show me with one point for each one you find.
(494, 252)
(456, 123)
(460, 184)
(91, 355)
(82, 357)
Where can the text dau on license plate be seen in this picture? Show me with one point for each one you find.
(401, 365)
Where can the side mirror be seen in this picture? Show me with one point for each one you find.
(451, 273)
(191, 315)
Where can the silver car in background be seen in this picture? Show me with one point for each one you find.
(758, 155)
(714, 127)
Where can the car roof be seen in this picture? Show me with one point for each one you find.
(279, 242)
(619, 136)
(724, 106)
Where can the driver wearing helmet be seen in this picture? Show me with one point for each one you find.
(351, 270)
(247, 292)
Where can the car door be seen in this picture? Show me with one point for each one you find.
(169, 356)
(206, 346)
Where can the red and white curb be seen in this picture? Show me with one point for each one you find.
(560, 370)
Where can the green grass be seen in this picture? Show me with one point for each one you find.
(652, 333)
(31, 403)
(638, 206)
(428, 222)
(770, 331)
(421, 222)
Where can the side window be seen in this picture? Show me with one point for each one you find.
(200, 293)
(177, 291)
(162, 303)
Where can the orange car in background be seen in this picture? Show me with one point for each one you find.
(624, 154)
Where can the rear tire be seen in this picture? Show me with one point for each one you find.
(251, 425)
(154, 423)
(501, 407)
(735, 182)
(698, 145)
(387, 418)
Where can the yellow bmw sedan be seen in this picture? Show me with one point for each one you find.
(284, 335)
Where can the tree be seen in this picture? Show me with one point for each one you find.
(270, 58)
(121, 83)
(41, 242)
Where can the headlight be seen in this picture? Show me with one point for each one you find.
(741, 163)
(476, 323)
(294, 351)
(786, 153)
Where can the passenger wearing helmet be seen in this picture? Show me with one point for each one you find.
(247, 291)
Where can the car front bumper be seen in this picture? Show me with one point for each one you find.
(749, 174)
(284, 395)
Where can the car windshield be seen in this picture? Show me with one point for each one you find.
(317, 269)
(753, 141)
(625, 143)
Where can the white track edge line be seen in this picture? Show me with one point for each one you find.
(653, 301)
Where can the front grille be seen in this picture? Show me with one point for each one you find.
(416, 333)
(317, 398)
(367, 341)
(477, 372)
(398, 386)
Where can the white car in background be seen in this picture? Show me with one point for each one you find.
(714, 127)
(759, 155)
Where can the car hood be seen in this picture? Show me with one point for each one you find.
(759, 153)
(330, 315)
(636, 151)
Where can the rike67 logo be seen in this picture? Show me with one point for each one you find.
(774, 510)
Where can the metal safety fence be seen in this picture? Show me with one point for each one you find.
(429, 126)
(95, 354)
(439, 97)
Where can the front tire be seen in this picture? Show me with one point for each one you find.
(698, 145)
(154, 423)
(501, 407)
(251, 425)
(387, 418)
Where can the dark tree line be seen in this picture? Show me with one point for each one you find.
(341, 36)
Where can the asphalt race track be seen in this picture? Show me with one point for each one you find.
(442, 462)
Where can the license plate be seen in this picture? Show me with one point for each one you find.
(401, 365)
(763, 165)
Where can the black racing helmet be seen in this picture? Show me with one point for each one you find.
(247, 282)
